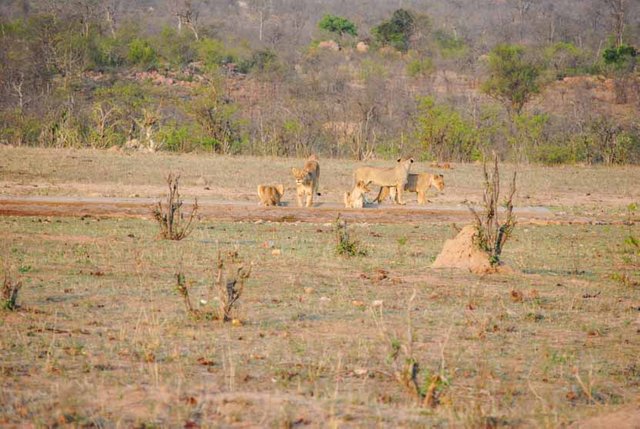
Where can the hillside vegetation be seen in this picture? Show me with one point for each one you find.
(543, 81)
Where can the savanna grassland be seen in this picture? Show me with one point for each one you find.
(102, 337)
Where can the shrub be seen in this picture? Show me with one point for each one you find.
(345, 246)
(449, 45)
(444, 133)
(170, 218)
(420, 67)
(492, 233)
(10, 289)
(142, 54)
(229, 283)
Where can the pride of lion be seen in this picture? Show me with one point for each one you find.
(393, 181)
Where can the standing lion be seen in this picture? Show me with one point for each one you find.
(307, 180)
(390, 177)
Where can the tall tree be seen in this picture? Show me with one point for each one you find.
(618, 12)
(513, 79)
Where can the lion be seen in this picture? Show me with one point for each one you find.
(270, 195)
(307, 180)
(389, 177)
(419, 183)
(355, 199)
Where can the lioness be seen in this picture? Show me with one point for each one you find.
(419, 183)
(395, 176)
(355, 198)
(270, 195)
(307, 180)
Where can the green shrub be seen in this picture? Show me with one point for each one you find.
(420, 67)
(262, 61)
(213, 53)
(444, 133)
(176, 138)
(552, 154)
(178, 49)
(449, 45)
(141, 53)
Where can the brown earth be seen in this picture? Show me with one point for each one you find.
(461, 252)
(252, 212)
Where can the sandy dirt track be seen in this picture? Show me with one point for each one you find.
(250, 211)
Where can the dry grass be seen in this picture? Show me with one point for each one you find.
(106, 341)
(102, 338)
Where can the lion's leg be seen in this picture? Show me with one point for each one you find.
(346, 199)
(400, 191)
(394, 194)
(299, 194)
(382, 195)
(310, 198)
(422, 198)
(378, 198)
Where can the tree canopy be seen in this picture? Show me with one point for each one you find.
(513, 79)
(397, 31)
(338, 24)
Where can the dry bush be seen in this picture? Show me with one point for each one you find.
(10, 289)
(229, 282)
(345, 245)
(492, 232)
(173, 224)
(421, 384)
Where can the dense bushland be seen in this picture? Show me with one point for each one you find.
(277, 78)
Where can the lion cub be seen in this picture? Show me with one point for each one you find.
(270, 195)
(356, 198)
(307, 180)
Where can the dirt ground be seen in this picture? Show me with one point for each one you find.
(70, 182)
(102, 338)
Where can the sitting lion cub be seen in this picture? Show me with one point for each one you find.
(355, 199)
(270, 195)
(418, 183)
(307, 180)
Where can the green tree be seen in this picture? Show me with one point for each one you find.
(397, 31)
(622, 57)
(338, 24)
(513, 79)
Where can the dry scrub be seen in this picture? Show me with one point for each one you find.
(170, 218)
(229, 283)
(492, 233)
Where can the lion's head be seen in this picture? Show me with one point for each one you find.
(303, 177)
(437, 181)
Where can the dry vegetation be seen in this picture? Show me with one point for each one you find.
(102, 338)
